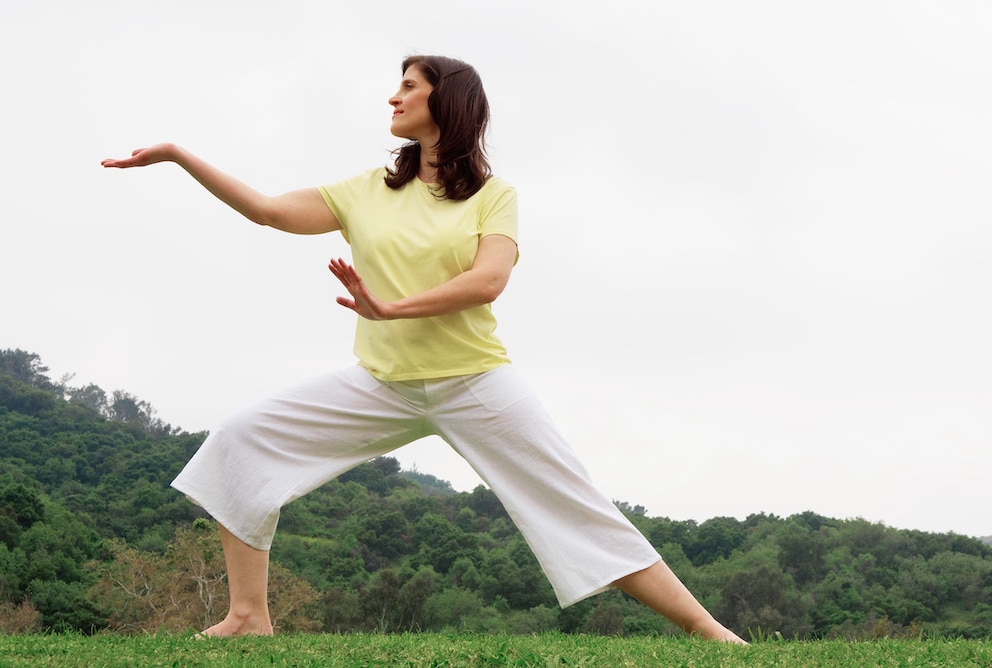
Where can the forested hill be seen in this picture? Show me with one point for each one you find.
(92, 537)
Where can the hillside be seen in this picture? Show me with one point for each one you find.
(92, 537)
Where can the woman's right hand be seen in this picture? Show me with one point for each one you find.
(141, 157)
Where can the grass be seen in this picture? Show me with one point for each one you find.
(464, 650)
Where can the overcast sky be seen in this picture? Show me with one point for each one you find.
(755, 237)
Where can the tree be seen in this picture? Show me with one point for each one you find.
(715, 539)
(801, 552)
(449, 608)
(511, 572)
(377, 475)
(463, 573)
(485, 503)
(64, 606)
(428, 483)
(413, 597)
(127, 408)
(380, 601)
(13, 568)
(387, 466)
(54, 551)
(606, 618)
(132, 589)
(627, 509)
(962, 578)
(20, 617)
(186, 587)
(384, 531)
(15, 395)
(294, 603)
(440, 543)
(663, 530)
(91, 396)
(20, 508)
(341, 610)
(837, 600)
(763, 599)
(26, 367)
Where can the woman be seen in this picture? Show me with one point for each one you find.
(433, 242)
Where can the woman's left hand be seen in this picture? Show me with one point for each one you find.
(363, 302)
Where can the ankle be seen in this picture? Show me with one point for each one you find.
(242, 622)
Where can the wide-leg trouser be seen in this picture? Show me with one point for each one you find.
(290, 444)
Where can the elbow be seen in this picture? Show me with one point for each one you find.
(265, 214)
(275, 212)
(488, 296)
(491, 289)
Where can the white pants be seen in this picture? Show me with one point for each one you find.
(286, 446)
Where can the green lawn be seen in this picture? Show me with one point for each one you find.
(439, 650)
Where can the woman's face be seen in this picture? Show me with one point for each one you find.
(411, 117)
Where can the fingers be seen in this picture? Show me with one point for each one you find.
(349, 279)
(339, 266)
(344, 272)
(126, 162)
(361, 301)
(140, 157)
(122, 163)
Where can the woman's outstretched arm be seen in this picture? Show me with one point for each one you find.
(299, 212)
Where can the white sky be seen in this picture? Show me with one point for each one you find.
(755, 236)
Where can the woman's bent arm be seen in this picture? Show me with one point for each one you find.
(299, 212)
(481, 284)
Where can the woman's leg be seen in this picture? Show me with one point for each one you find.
(584, 544)
(277, 451)
(658, 588)
(248, 581)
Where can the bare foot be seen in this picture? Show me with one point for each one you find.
(717, 631)
(732, 638)
(235, 627)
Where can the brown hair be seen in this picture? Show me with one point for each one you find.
(459, 106)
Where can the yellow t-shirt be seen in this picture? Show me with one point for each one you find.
(406, 241)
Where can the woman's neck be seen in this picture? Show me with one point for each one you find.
(427, 172)
(428, 141)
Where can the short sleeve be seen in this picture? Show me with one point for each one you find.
(498, 212)
(340, 197)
